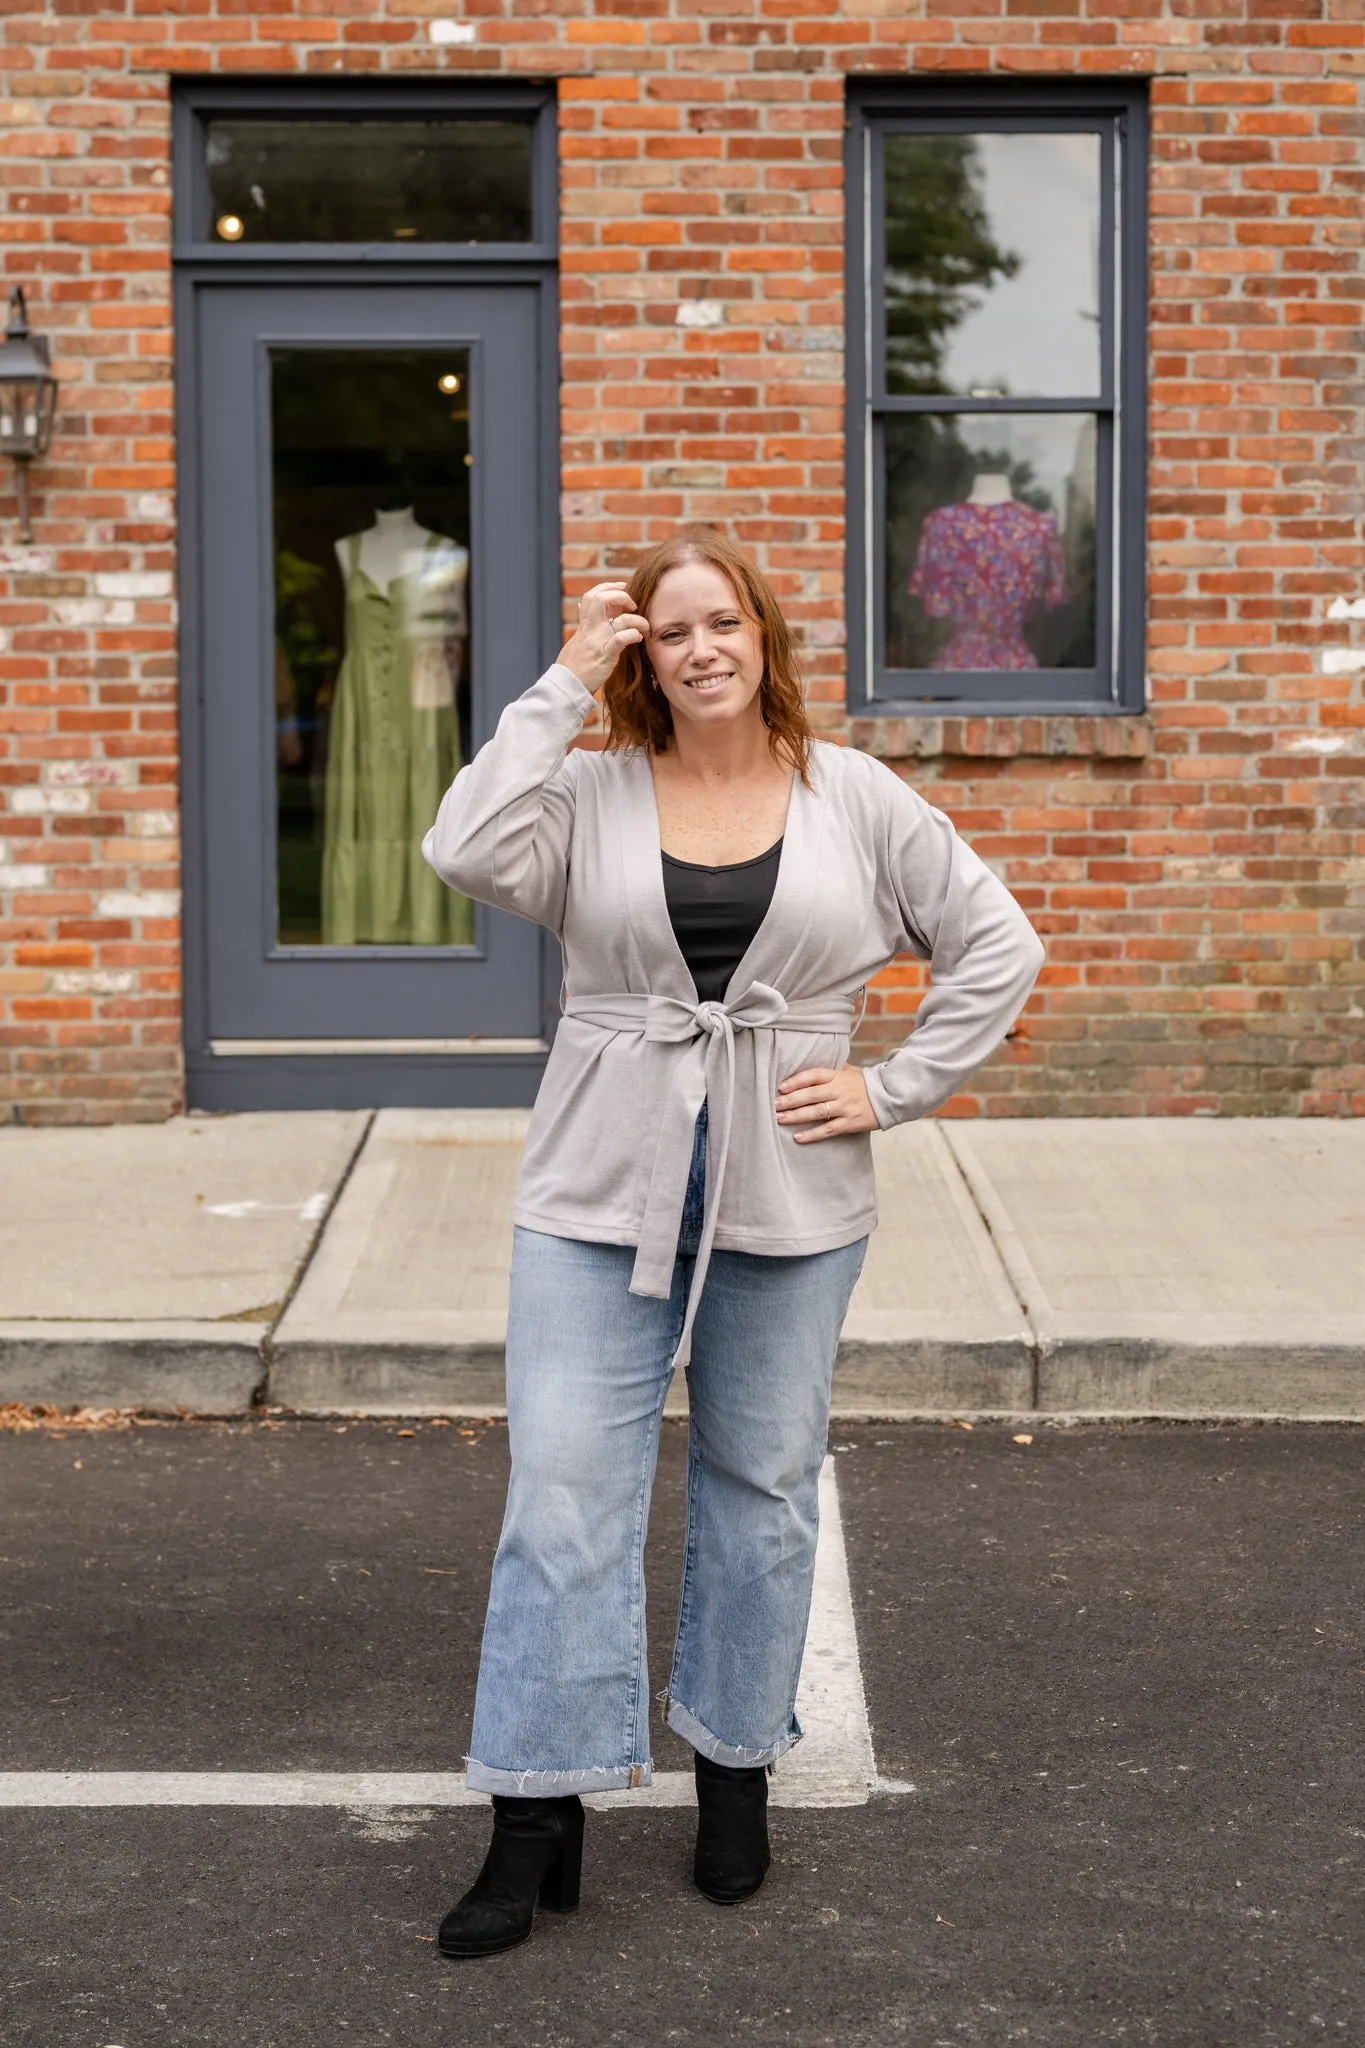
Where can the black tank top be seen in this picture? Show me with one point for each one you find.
(715, 913)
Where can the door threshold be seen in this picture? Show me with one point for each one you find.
(398, 1048)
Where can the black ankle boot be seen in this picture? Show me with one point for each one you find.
(732, 1831)
(536, 1852)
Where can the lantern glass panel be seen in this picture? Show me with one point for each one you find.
(26, 409)
(18, 416)
(47, 409)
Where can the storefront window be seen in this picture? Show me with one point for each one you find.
(1001, 498)
(370, 452)
(369, 181)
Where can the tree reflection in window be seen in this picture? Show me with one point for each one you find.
(940, 251)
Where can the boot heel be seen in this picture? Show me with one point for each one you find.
(560, 1885)
(733, 1855)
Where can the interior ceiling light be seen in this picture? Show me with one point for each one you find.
(230, 227)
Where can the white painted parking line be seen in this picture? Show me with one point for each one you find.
(832, 1765)
(236, 1788)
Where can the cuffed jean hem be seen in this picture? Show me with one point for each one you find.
(699, 1735)
(557, 1784)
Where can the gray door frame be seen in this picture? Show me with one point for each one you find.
(221, 1073)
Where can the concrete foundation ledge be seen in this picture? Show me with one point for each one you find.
(156, 1368)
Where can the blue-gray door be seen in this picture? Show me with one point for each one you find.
(369, 593)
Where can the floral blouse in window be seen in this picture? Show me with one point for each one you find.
(987, 567)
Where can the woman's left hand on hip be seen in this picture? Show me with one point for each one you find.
(825, 1102)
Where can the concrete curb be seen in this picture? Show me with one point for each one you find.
(935, 1375)
(211, 1371)
(915, 1379)
(205, 1373)
(1125, 1375)
(160, 1368)
(902, 1375)
(322, 1378)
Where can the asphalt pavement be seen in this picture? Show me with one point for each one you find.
(1113, 1680)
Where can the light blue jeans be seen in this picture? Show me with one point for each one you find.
(563, 1695)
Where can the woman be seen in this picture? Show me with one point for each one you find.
(697, 1185)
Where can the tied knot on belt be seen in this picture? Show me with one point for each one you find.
(705, 1072)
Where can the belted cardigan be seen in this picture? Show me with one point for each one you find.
(868, 870)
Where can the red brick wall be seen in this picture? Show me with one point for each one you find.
(1197, 874)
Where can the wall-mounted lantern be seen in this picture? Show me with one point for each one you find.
(28, 401)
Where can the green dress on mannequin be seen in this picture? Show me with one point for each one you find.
(393, 751)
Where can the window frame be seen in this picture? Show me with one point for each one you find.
(1117, 112)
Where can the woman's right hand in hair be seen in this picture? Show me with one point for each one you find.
(606, 627)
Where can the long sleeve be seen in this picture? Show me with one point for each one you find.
(983, 953)
(502, 832)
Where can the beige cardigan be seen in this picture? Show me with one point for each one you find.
(867, 870)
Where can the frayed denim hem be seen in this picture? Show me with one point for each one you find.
(557, 1784)
(694, 1731)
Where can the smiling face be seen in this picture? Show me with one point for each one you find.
(705, 650)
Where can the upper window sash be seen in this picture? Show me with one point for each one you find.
(1095, 392)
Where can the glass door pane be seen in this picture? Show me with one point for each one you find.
(370, 487)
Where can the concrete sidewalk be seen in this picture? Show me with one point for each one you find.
(337, 1261)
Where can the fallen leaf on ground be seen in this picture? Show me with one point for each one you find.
(21, 1415)
(1025, 1439)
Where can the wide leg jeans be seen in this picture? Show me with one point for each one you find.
(563, 1696)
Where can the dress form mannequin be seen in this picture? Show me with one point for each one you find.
(385, 546)
(990, 487)
(434, 572)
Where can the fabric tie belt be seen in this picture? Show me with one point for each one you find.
(705, 1073)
